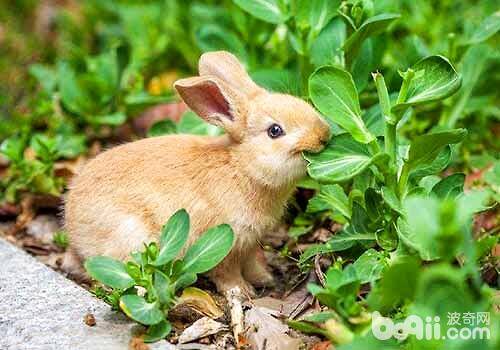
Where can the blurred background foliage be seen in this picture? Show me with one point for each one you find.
(77, 72)
(79, 76)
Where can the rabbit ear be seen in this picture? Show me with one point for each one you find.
(226, 67)
(216, 102)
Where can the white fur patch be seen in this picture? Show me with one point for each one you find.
(131, 232)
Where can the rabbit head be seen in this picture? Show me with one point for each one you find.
(267, 131)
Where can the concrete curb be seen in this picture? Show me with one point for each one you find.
(41, 309)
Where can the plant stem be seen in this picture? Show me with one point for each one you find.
(407, 78)
(403, 181)
(403, 92)
(390, 142)
(374, 147)
(390, 125)
(383, 96)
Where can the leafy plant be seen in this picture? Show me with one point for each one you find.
(159, 273)
(189, 123)
(396, 204)
(32, 163)
(61, 239)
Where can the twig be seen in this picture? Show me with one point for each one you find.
(234, 298)
(317, 269)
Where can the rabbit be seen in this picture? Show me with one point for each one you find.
(244, 178)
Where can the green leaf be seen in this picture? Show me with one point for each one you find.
(271, 11)
(109, 271)
(472, 202)
(360, 220)
(442, 290)
(316, 13)
(114, 119)
(103, 70)
(372, 26)
(391, 199)
(333, 92)
(13, 148)
(73, 96)
(369, 265)
(45, 147)
(185, 280)
(422, 226)
(436, 166)
(162, 127)
(450, 187)
(489, 27)
(71, 145)
(492, 176)
(278, 80)
(473, 65)
(320, 317)
(46, 77)
(173, 237)
(138, 309)
(158, 331)
(163, 288)
(341, 241)
(212, 37)
(326, 49)
(347, 238)
(435, 79)
(425, 148)
(209, 249)
(142, 98)
(334, 197)
(387, 237)
(437, 228)
(374, 204)
(341, 160)
(190, 123)
(344, 281)
(306, 327)
(363, 65)
(392, 290)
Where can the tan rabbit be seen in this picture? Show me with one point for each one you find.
(244, 178)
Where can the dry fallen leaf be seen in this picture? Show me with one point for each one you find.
(89, 320)
(495, 251)
(266, 332)
(201, 301)
(137, 343)
(234, 299)
(68, 168)
(324, 345)
(203, 327)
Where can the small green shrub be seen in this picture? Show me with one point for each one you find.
(159, 272)
(398, 213)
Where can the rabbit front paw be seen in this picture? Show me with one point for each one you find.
(223, 286)
(259, 276)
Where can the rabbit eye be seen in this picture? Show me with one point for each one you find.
(275, 131)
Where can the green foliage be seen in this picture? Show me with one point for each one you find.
(159, 272)
(34, 172)
(380, 175)
(334, 94)
(403, 211)
(61, 239)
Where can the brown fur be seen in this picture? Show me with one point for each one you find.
(244, 178)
